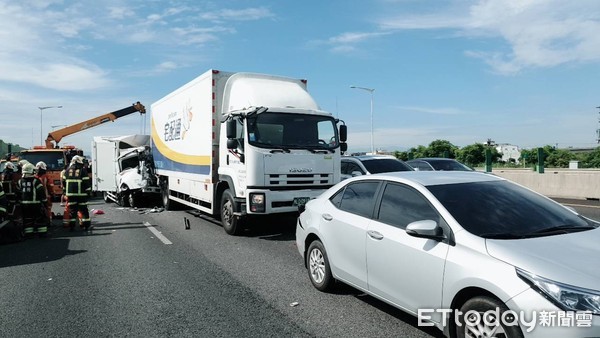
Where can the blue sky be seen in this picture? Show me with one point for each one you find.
(523, 72)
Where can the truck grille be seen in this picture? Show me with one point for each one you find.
(300, 179)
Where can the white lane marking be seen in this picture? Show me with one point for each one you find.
(582, 205)
(157, 233)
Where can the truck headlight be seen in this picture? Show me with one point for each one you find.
(566, 297)
(257, 202)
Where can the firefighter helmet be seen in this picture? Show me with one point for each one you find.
(40, 165)
(28, 169)
(77, 159)
(11, 166)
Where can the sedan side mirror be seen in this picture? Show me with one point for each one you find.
(425, 229)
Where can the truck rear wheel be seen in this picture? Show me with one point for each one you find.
(231, 224)
(164, 193)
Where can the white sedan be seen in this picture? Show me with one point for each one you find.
(470, 253)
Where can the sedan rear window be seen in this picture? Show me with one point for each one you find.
(380, 165)
(502, 209)
(357, 198)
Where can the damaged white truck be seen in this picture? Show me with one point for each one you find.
(122, 169)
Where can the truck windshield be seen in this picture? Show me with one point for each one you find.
(292, 131)
(55, 160)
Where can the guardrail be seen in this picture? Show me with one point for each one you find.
(560, 183)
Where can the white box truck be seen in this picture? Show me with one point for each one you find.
(239, 145)
(122, 169)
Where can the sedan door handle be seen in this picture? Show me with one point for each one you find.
(375, 235)
(327, 217)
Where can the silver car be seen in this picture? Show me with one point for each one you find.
(470, 253)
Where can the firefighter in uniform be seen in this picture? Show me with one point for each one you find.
(40, 173)
(78, 188)
(33, 202)
(3, 204)
(10, 178)
(64, 201)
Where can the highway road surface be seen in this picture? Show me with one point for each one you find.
(142, 273)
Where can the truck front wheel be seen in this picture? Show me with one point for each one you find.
(123, 198)
(133, 199)
(231, 224)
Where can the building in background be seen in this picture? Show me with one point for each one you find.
(510, 153)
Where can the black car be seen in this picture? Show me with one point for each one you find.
(436, 164)
(371, 164)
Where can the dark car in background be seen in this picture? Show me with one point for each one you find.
(371, 164)
(437, 164)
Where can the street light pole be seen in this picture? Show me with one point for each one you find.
(370, 90)
(41, 128)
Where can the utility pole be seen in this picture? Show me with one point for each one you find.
(598, 130)
(370, 90)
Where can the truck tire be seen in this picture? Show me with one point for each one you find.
(133, 199)
(232, 225)
(123, 198)
(164, 193)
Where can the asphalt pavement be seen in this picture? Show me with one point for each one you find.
(140, 272)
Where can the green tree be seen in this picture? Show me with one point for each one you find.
(401, 155)
(528, 156)
(441, 148)
(553, 158)
(419, 151)
(472, 155)
(558, 158)
(591, 160)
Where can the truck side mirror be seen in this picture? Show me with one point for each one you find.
(232, 143)
(343, 147)
(231, 130)
(343, 133)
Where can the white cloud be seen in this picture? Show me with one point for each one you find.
(72, 28)
(539, 33)
(167, 65)
(31, 51)
(120, 13)
(346, 42)
(246, 14)
(437, 111)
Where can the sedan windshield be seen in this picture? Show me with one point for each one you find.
(501, 209)
(377, 166)
(292, 131)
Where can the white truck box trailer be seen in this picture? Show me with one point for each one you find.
(123, 169)
(239, 145)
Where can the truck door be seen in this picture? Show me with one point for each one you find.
(105, 169)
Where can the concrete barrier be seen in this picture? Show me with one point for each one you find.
(560, 183)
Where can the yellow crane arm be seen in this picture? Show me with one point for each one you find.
(57, 135)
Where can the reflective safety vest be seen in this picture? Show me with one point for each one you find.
(77, 181)
(32, 190)
(9, 184)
